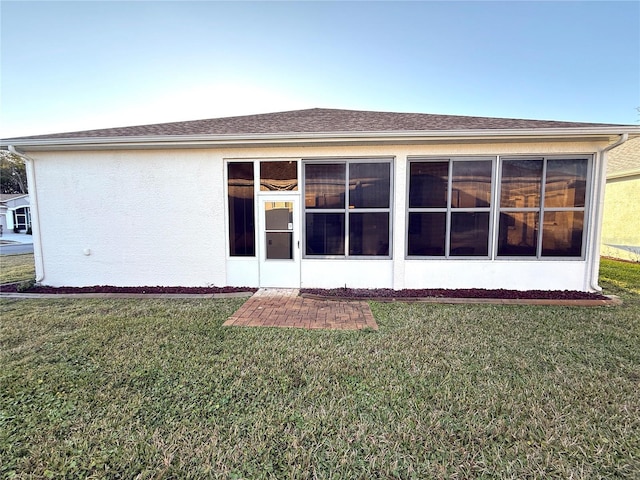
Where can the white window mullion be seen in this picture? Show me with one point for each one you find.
(447, 234)
(347, 172)
(543, 185)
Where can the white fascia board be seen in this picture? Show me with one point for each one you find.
(201, 141)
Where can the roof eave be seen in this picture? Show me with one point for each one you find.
(306, 138)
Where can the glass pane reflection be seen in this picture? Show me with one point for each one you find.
(471, 184)
(566, 183)
(562, 234)
(518, 234)
(369, 233)
(241, 209)
(278, 215)
(369, 185)
(469, 234)
(279, 176)
(427, 233)
(521, 182)
(279, 245)
(324, 234)
(428, 184)
(324, 185)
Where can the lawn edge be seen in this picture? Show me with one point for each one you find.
(611, 300)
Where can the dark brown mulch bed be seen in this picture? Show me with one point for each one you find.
(458, 293)
(330, 293)
(13, 288)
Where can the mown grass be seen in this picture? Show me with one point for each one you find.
(625, 275)
(16, 268)
(158, 389)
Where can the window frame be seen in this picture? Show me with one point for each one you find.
(256, 178)
(541, 209)
(23, 212)
(345, 210)
(257, 193)
(448, 209)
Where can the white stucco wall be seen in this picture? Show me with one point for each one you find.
(131, 218)
(158, 217)
(507, 274)
(329, 273)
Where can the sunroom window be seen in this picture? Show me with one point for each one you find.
(449, 207)
(347, 208)
(279, 176)
(240, 187)
(542, 207)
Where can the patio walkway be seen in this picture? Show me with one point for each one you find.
(278, 307)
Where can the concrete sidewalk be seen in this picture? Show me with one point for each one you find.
(22, 238)
(15, 243)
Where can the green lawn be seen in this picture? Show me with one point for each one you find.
(158, 389)
(16, 268)
(624, 275)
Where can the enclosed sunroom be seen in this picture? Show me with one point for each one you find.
(316, 216)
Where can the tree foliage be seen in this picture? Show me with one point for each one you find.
(13, 173)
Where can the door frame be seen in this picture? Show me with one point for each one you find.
(279, 273)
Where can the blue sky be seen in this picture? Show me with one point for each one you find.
(90, 64)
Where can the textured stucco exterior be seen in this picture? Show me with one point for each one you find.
(621, 223)
(158, 217)
(131, 218)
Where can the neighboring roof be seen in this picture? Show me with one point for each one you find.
(625, 159)
(5, 197)
(318, 125)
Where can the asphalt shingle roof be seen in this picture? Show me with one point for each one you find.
(320, 120)
(625, 158)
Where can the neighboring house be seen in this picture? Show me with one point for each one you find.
(322, 198)
(15, 212)
(621, 225)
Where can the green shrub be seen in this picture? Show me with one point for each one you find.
(26, 285)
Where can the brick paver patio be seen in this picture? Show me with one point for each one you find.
(277, 307)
